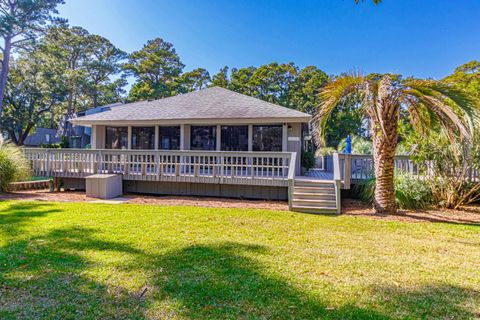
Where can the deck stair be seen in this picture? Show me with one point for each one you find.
(314, 196)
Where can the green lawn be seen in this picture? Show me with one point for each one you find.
(93, 261)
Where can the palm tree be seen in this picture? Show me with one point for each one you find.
(383, 98)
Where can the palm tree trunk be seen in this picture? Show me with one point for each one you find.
(384, 147)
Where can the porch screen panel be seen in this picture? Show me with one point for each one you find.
(169, 138)
(116, 138)
(234, 138)
(203, 138)
(267, 138)
(143, 138)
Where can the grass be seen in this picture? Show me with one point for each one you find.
(96, 261)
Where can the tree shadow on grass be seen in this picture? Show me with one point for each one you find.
(44, 277)
(19, 214)
(224, 282)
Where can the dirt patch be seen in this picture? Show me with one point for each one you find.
(468, 215)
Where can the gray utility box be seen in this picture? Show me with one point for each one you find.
(104, 186)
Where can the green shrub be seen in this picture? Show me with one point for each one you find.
(308, 160)
(410, 193)
(13, 165)
(50, 145)
(62, 144)
(325, 151)
(446, 165)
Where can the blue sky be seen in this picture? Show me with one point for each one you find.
(424, 38)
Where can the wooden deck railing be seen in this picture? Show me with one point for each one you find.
(355, 168)
(252, 168)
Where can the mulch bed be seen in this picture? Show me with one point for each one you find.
(77, 196)
(467, 215)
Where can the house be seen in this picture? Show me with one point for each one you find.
(212, 142)
(42, 136)
(81, 136)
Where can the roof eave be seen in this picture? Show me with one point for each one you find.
(88, 123)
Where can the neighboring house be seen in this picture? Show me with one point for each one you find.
(81, 135)
(42, 136)
(212, 142)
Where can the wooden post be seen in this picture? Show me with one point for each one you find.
(100, 164)
(222, 159)
(93, 138)
(218, 141)
(347, 171)
(129, 137)
(182, 137)
(250, 137)
(157, 137)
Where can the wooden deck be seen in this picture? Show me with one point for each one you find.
(243, 168)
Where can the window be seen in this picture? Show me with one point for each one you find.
(116, 138)
(234, 138)
(203, 138)
(267, 138)
(169, 138)
(143, 137)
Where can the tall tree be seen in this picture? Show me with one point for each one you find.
(156, 67)
(69, 46)
(88, 66)
(284, 84)
(27, 96)
(467, 77)
(240, 80)
(220, 79)
(104, 61)
(306, 87)
(193, 80)
(20, 21)
(428, 103)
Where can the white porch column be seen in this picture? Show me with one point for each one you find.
(129, 136)
(182, 137)
(285, 137)
(156, 137)
(250, 137)
(93, 137)
(219, 137)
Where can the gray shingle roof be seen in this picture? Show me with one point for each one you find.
(212, 103)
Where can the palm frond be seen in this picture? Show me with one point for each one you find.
(462, 110)
(330, 97)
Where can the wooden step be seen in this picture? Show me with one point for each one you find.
(310, 209)
(314, 190)
(314, 195)
(314, 203)
(308, 183)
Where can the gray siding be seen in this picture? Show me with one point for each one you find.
(192, 189)
(294, 132)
